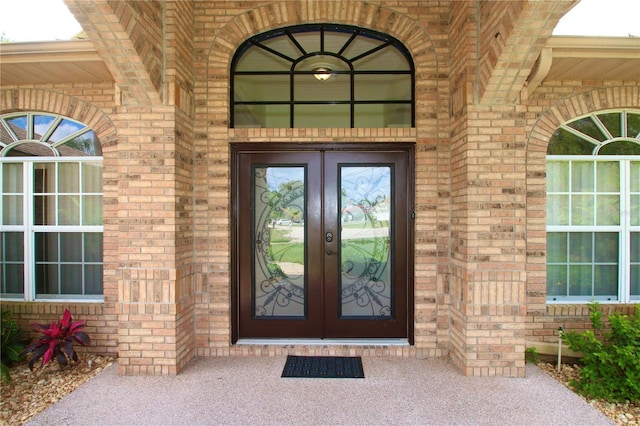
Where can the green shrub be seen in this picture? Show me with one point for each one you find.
(611, 360)
(531, 355)
(12, 344)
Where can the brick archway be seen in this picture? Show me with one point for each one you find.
(69, 106)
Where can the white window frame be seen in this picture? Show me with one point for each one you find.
(624, 230)
(28, 227)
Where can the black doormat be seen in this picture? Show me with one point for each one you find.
(326, 367)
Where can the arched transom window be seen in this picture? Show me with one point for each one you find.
(50, 208)
(322, 75)
(593, 208)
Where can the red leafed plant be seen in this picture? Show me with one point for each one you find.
(57, 341)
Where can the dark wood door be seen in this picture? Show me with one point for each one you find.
(323, 243)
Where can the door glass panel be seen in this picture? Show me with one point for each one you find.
(279, 284)
(365, 250)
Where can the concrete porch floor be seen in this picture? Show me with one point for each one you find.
(250, 391)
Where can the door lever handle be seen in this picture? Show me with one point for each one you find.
(330, 252)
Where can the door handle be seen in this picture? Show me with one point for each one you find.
(330, 252)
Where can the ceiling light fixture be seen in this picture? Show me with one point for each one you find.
(322, 73)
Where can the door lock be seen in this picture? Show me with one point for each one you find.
(328, 237)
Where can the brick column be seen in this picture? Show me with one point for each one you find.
(148, 274)
(489, 276)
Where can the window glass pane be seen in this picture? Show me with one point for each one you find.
(44, 210)
(71, 247)
(91, 177)
(588, 127)
(93, 279)
(580, 280)
(44, 178)
(581, 247)
(12, 246)
(360, 46)
(606, 280)
(370, 115)
(281, 43)
(18, 125)
(310, 41)
(635, 176)
(635, 281)
(12, 279)
(92, 247)
(11, 178)
(47, 282)
(69, 177)
(620, 148)
(12, 210)
(612, 122)
(606, 247)
(382, 87)
(557, 280)
(256, 58)
(633, 125)
(46, 247)
(557, 247)
(608, 210)
(557, 209)
(557, 176)
(265, 88)
(71, 279)
(364, 241)
(41, 124)
(31, 149)
(333, 41)
(395, 115)
(635, 264)
(308, 88)
(279, 197)
(322, 116)
(82, 145)
(12, 263)
(69, 210)
(582, 210)
(566, 143)
(608, 176)
(582, 175)
(387, 59)
(65, 128)
(92, 210)
(635, 193)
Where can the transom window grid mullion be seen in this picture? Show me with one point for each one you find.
(384, 42)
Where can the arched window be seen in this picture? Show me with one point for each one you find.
(322, 75)
(50, 209)
(593, 208)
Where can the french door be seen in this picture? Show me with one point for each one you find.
(323, 242)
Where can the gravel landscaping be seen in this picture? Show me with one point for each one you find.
(30, 392)
(627, 413)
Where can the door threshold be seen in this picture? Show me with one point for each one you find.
(325, 342)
